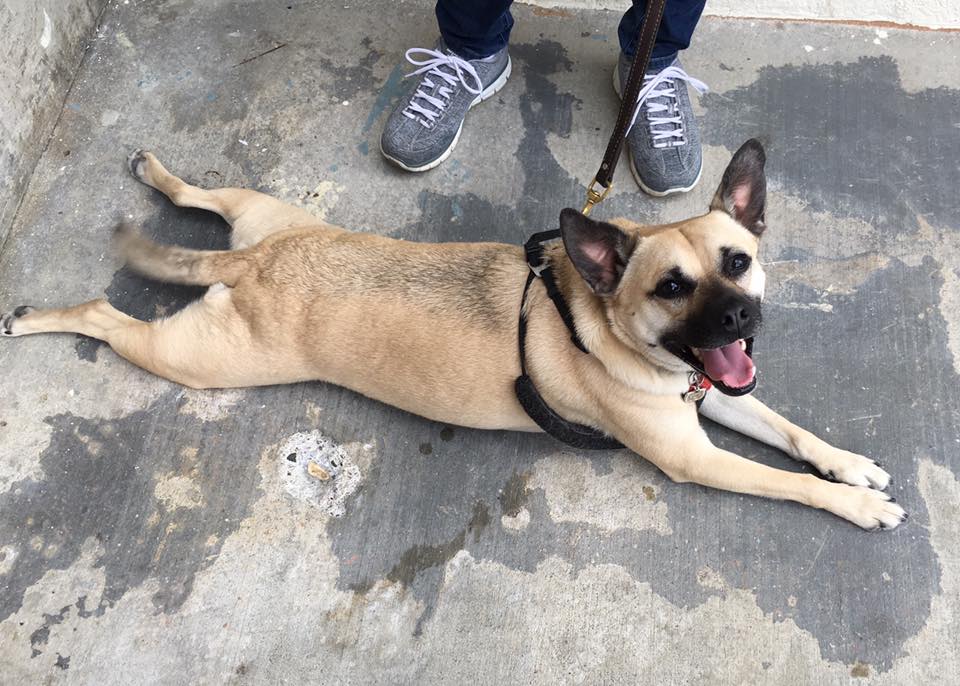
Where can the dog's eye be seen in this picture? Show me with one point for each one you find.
(737, 264)
(669, 288)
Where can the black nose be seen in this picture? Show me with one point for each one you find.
(737, 318)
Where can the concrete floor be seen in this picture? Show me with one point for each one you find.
(151, 534)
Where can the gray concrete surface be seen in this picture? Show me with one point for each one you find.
(152, 534)
(39, 56)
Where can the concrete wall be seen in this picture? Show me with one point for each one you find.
(936, 14)
(42, 45)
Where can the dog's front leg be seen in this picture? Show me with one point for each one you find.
(749, 416)
(682, 450)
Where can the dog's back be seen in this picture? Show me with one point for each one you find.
(391, 319)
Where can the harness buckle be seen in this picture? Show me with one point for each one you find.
(534, 256)
(594, 196)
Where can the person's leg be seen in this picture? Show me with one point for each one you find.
(475, 29)
(469, 65)
(676, 28)
(664, 143)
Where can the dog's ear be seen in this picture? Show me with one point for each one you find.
(743, 191)
(598, 250)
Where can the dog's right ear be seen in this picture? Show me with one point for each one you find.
(598, 250)
(743, 191)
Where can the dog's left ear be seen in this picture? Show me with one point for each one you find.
(598, 250)
(743, 191)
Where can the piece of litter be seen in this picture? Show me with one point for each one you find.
(317, 472)
(808, 48)
(315, 469)
(242, 142)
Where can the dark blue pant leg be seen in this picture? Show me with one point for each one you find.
(475, 28)
(680, 18)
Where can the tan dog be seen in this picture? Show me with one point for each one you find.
(432, 329)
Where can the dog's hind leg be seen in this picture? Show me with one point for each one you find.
(252, 215)
(205, 345)
(96, 318)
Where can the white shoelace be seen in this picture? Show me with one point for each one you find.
(445, 85)
(665, 115)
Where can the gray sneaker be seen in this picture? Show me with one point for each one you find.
(664, 142)
(425, 127)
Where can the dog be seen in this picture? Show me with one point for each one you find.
(433, 329)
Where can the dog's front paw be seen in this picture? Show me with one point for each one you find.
(868, 508)
(853, 469)
(8, 320)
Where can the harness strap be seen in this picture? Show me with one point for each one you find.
(571, 433)
(534, 252)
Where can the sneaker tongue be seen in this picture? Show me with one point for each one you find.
(729, 365)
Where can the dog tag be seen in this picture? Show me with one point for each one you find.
(695, 393)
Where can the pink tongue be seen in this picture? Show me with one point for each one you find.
(728, 364)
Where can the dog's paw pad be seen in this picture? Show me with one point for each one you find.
(137, 163)
(8, 319)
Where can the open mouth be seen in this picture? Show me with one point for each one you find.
(730, 367)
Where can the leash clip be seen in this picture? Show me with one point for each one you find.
(594, 196)
(696, 392)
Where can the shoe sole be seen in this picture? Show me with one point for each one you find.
(633, 169)
(486, 94)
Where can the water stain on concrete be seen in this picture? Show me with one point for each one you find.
(39, 637)
(514, 494)
(844, 137)
(109, 495)
(349, 80)
(420, 557)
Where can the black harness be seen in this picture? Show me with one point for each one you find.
(571, 433)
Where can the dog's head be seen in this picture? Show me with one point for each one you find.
(686, 294)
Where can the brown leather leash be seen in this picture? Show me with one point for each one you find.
(603, 180)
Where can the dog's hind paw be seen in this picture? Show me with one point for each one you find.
(8, 320)
(137, 162)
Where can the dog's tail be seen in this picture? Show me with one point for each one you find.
(179, 265)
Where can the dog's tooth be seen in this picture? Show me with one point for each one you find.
(743, 345)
